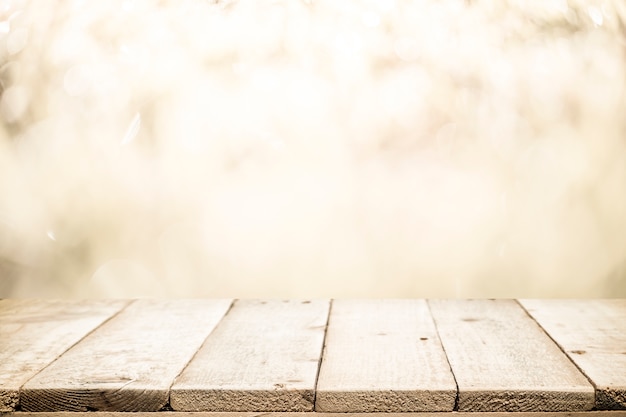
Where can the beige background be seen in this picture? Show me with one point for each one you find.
(313, 148)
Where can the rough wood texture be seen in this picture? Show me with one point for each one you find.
(288, 414)
(383, 356)
(129, 363)
(503, 361)
(33, 333)
(593, 334)
(263, 356)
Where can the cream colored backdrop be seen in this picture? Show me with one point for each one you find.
(313, 148)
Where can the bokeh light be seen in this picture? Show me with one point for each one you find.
(283, 148)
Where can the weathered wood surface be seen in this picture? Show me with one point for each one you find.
(593, 334)
(33, 333)
(317, 414)
(128, 363)
(263, 356)
(503, 361)
(383, 356)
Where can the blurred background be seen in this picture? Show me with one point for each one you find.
(317, 148)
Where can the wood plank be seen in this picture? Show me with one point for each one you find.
(593, 334)
(129, 363)
(383, 356)
(33, 333)
(263, 356)
(503, 361)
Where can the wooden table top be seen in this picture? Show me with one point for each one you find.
(323, 356)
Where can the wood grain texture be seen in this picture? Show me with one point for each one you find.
(129, 363)
(503, 361)
(593, 334)
(383, 356)
(33, 333)
(263, 356)
(295, 414)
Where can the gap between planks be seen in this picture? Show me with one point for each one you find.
(592, 333)
(120, 366)
(315, 391)
(383, 356)
(503, 361)
(263, 355)
(48, 328)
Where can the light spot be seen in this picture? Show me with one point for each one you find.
(596, 15)
(265, 81)
(347, 43)
(17, 40)
(370, 19)
(14, 103)
(133, 130)
(386, 5)
(77, 80)
(5, 27)
(128, 5)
